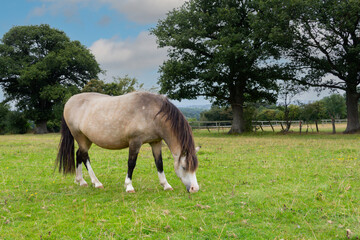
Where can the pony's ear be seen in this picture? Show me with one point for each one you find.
(197, 149)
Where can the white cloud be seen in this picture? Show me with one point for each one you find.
(105, 20)
(139, 11)
(68, 8)
(144, 11)
(39, 11)
(133, 56)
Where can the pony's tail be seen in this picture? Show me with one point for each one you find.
(65, 158)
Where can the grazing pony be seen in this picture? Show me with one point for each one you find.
(126, 121)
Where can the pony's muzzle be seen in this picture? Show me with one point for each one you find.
(192, 189)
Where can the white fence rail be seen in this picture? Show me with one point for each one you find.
(227, 124)
(210, 124)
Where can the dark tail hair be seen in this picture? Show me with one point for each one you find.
(65, 158)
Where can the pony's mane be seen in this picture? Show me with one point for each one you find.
(182, 130)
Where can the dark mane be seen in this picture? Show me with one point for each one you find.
(182, 130)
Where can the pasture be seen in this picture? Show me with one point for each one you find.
(261, 185)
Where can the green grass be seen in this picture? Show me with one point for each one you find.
(254, 186)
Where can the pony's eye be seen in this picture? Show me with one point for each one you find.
(184, 168)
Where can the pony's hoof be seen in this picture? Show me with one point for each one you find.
(84, 185)
(100, 186)
(130, 191)
(167, 187)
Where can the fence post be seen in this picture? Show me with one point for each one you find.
(261, 126)
(271, 126)
(282, 127)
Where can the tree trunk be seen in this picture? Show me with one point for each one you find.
(238, 123)
(333, 125)
(288, 125)
(40, 127)
(353, 124)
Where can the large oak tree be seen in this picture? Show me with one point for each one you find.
(215, 52)
(38, 65)
(321, 38)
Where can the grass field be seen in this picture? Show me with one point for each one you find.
(254, 186)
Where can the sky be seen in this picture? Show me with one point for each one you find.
(115, 31)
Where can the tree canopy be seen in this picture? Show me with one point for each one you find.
(214, 51)
(38, 66)
(119, 86)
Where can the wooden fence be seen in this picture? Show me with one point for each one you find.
(210, 125)
(260, 125)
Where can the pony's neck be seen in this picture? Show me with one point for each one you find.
(173, 145)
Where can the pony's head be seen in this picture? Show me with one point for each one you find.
(185, 160)
(185, 170)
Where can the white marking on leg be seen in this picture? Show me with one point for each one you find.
(79, 177)
(94, 179)
(128, 185)
(164, 182)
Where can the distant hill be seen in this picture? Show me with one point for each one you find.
(194, 111)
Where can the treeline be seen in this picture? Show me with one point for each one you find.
(331, 107)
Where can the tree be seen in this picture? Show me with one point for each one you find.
(215, 52)
(216, 113)
(335, 106)
(37, 66)
(267, 114)
(4, 111)
(288, 90)
(322, 39)
(314, 111)
(119, 86)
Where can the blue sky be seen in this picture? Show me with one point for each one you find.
(116, 31)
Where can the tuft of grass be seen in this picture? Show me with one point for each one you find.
(252, 186)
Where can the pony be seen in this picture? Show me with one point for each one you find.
(126, 121)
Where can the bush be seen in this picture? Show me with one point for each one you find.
(16, 123)
(54, 125)
(4, 110)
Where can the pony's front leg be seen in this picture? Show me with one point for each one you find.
(156, 149)
(133, 153)
(84, 157)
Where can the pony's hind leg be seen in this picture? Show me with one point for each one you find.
(79, 176)
(156, 149)
(82, 156)
(134, 148)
